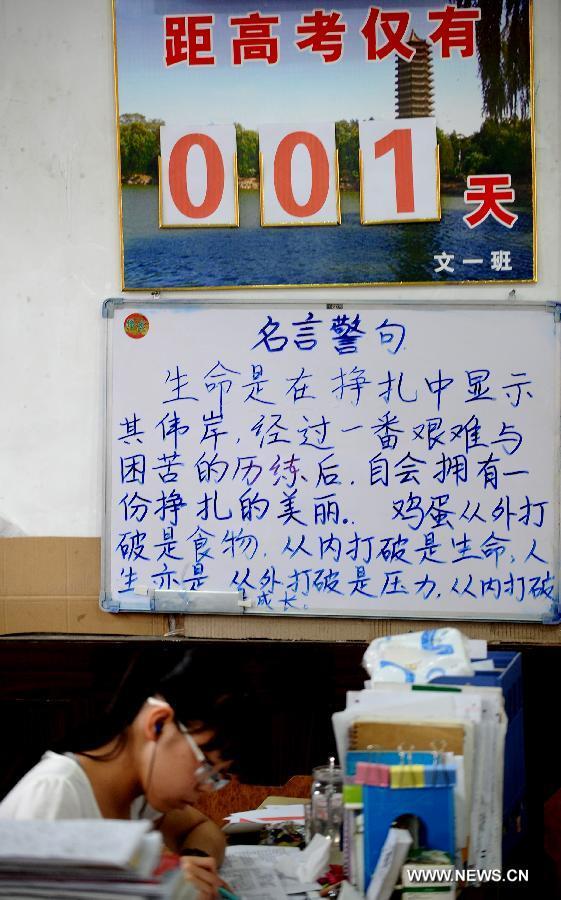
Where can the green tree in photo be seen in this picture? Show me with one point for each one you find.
(503, 54)
(447, 155)
(497, 147)
(139, 144)
(346, 140)
(507, 146)
(248, 152)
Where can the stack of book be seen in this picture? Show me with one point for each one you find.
(101, 859)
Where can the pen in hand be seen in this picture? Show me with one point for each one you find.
(227, 895)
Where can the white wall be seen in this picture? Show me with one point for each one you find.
(60, 249)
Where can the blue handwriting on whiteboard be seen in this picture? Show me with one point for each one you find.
(392, 335)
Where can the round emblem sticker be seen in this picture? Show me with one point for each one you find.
(136, 325)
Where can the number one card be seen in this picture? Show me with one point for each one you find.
(399, 172)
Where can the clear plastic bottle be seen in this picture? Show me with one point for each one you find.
(326, 807)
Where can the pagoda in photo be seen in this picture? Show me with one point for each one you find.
(414, 82)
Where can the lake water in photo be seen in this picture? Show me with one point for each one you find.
(345, 254)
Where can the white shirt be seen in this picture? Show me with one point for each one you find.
(58, 788)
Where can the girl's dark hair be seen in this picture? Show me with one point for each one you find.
(207, 704)
(202, 699)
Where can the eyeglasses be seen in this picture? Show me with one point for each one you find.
(206, 773)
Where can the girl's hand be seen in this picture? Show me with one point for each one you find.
(201, 873)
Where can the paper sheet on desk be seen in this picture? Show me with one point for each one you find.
(258, 882)
(289, 813)
(251, 874)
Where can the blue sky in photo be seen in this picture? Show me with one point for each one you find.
(300, 88)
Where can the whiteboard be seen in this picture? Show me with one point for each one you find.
(369, 461)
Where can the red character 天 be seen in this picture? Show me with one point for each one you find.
(489, 192)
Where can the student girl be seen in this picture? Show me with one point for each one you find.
(158, 749)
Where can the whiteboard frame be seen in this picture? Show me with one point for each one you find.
(232, 603)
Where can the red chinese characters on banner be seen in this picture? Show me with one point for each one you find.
(456, 29)
(394, 25)
(255, 40)
(188, 39)
(325, 34)
(489, 192)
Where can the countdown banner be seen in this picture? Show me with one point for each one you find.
(301, 145)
